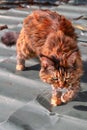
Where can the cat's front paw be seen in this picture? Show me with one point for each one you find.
(55, 101)
(68, 96)
(20, 67)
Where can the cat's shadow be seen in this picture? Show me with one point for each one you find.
(82, 97)
(80, 107)
(34, 67)
(84, 77)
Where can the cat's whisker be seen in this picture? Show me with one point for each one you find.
(45, 93)
(46, 90)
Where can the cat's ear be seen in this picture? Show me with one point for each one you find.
(72, 58)
(45, 62)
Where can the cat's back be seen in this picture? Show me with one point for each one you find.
(41, 20)
(46, 21)
(41, 16)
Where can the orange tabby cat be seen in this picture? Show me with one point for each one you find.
(50, 37)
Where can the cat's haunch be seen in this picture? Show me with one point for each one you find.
(52, 38)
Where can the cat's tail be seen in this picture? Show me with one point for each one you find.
(9, 38)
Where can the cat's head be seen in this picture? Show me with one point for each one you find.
(61, 73)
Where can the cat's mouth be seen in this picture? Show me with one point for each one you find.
(61, 90)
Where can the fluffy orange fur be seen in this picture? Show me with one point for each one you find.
(51, 37)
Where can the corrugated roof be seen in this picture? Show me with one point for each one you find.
(25, 3)
(24, 98)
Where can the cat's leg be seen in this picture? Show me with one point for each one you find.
(56, 97)
(20, 63)
(70, 94)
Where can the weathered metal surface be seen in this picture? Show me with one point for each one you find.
(7, 4)
(24, 98)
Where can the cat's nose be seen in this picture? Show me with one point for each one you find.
(61, 85)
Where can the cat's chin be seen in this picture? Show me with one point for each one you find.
(60, 95)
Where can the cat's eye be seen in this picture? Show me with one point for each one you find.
(55, 78)
(67, 78)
